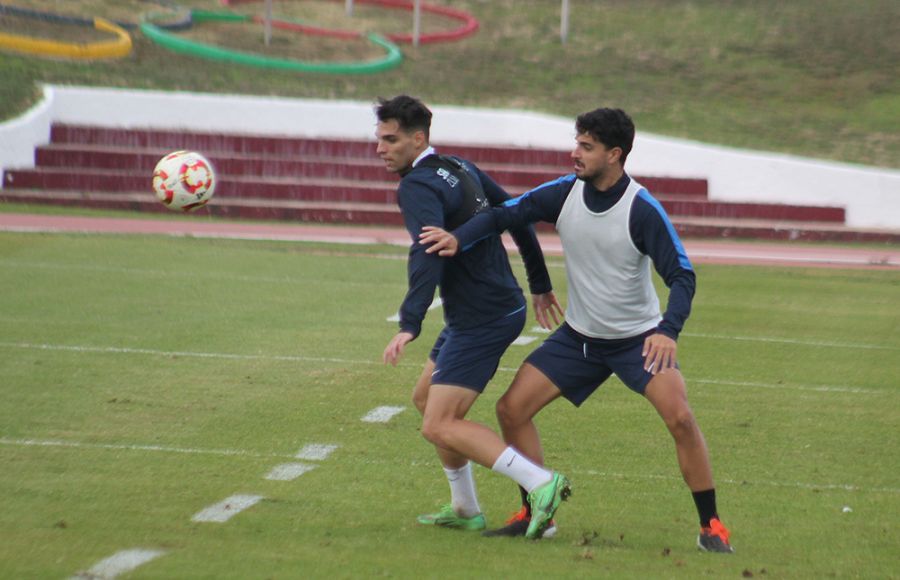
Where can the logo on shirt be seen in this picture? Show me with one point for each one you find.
(451, 179)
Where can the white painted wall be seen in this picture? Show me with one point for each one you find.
(18, 137)
(870, 195)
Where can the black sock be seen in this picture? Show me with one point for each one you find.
(706, 505)
(525, 500)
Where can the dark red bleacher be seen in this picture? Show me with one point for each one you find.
(331, 180)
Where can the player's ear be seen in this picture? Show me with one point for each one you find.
(615, 154)
(419, 138)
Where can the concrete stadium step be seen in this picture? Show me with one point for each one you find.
(510, 176)
(389, 215)
(283, 146)
(346, 190)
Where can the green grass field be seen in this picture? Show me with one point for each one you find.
(810, 77)
(146, 378)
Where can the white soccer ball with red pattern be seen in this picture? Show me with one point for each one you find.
(184, 180)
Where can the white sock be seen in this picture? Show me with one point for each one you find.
(462, 491)
(525, 472)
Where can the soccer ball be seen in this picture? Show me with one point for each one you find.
(184, 180)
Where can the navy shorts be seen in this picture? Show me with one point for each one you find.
(469, 358)
(577, 364)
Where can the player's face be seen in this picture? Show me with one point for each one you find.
(592, 158)
(396, 147)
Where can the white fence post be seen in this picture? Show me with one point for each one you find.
(417, 22)
(268, 24)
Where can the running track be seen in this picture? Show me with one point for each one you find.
(700, 251)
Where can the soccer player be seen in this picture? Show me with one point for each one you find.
(611, 231)
(484, 312)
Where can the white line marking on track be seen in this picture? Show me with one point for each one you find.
(119, 563)
(382, 414)
(316, 451)
(289, 471)
(125, 447)
(523, 340)
(226, 509)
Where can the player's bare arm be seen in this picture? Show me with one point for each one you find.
(439, 240)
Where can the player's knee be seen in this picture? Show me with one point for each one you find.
(682, 424)
(508, 414)
(433, 431)
(419, 399)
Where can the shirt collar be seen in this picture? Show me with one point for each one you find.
(423, 155)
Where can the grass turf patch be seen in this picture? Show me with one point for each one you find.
(146, 378)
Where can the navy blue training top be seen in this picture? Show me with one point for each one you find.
(478, 286)
(651, 231)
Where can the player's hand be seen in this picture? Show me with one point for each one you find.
(546, 306)
(659, 353)
(442, 241)
(394, 350)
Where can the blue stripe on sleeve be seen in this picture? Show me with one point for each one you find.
(676, 241)
(558, 181)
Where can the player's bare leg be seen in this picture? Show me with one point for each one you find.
(445, 426)
(463, 511)
(668, 394)
(449, 459)
(529, 392)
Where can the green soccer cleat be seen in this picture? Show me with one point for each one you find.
(447, 518)
(544, 500)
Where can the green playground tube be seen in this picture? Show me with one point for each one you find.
(178, 44)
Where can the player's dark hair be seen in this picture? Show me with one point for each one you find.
(612, 127)
(409, 112)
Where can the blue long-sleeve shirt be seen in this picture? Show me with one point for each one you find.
(651, 231)
(475, 287)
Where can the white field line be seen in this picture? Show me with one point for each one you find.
(786, 484)
(316, 451)
(226, 509)
(381, 414)
(186, 354)
(436, 303)
(523, 340)
(128, 447)
(814, 388)
(792, 341)
(227, 356)
(178, 274)
(289, 471)
(119, 563)
(243, 453)
(540, 330)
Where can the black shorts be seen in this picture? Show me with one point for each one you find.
(577, 364)
(469, 358)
